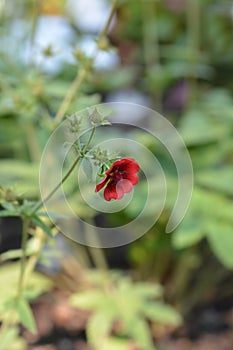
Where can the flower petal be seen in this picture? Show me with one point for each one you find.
(133, 178)
(101, 184)
(124, 185)
(125, 164)
(130, 165)
(110, 192)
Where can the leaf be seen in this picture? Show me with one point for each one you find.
(141, 334)
(88, 300)
(148, 290)
(42, 225)
(188, 233)
(197, 129)
(4, 213)
(7, 338)
(25, 315)
(116, 344)
(162, 313)
(220, 237)
(99, 327)
(217, 179)
(9, 273)
(23, 174)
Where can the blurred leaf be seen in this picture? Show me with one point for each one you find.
(217, 179)
(197, 129)
(116, 344)
(42, 225)
(24, 175)
(99, 327)
(8, 337)
(189, 232)
(141, 334)
(148, 290)
(9, 273)
(159, 312)
(25, 315)
(88, 300)
(220, 237)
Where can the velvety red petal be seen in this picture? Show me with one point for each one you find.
(110, 192)
(133, 178)
(125, 164)
(129, 165)
(101, 184)
(124, 185)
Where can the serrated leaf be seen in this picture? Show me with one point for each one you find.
(162, 313)
(25, 315)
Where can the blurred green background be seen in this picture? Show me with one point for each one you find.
(175, 57)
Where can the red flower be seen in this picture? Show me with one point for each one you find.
(120, 179)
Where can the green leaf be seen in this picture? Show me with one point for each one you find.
(220, 237)
(141, 334)
(162, 313)
(188, 233)
(116, 344)
(99, 327)
(147, 290)
(24, 175)
(9, 273)
(25, 315)
(4, 213)
(42, 225)
(217, 179)
(88, 300)
(7, 338)
(197, 129)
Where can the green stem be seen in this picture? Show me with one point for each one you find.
(40, 204)
(80, 77)
(24, 256)
(41, 238)
(82, 73)
(109, 20)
